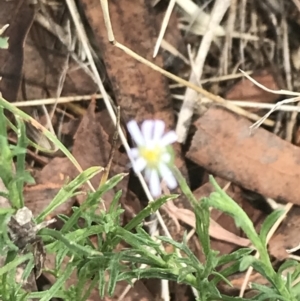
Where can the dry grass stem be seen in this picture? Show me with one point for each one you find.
(201, 19)
(205, 93)
(164, 26)
(187, 109)
(167, 46)
(226, 54)
(279, 92)
(288, 73)
(277, 105)
(297, 3)
(59, 100)
(106, 16)
(242, 28)
(215, 79)
(257, 105)
(274, 108)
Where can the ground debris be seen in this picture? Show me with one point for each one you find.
(260, 161)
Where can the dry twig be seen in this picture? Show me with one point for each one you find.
(186, 111)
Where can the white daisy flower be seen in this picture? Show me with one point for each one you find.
(153, 153)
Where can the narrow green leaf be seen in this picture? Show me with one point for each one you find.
(16, 262)
(183, 247)
(221, 277)
(60, 256)
(296, 290)
(228, 298)
(115, 202)
(167, 274)
(228, 271)
(259, 266)
(151, 208)
(288, 264)
(234, 256)
(47, 295)
(268, 292)
(67, 191)
(112, 182)
(75, 236)
(220, 200)
(101, 284)
(137, 256)
(202, 215)
(72, 245)
(114, 269)
(28, 269)
(246, 262)
(289, 282)
(17, 112)
(20, 165)
(88, 291)
(139, 244)
(268, 223)
(184, 272)
(38, 295)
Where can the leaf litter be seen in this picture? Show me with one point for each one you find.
(220, 142)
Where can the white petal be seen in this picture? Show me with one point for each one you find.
(148, 174)
(133, 153)
(154, 184)
(167, 176)
(147, 130)
(139, 164)
(159, 127)
(166, 157)
(135, 132)
(168, 138)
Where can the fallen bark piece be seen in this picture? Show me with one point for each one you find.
(140, 91)
(260, 161)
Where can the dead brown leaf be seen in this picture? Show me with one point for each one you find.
(215, 230)
(92, 148)
(38, 197)
(247, 90)
(48, 182)
(19, 15)
(261, 162)
(287, 235)
(50, 67)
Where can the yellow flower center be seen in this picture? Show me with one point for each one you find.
(151, 155)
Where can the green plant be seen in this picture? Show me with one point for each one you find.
(93, 261)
